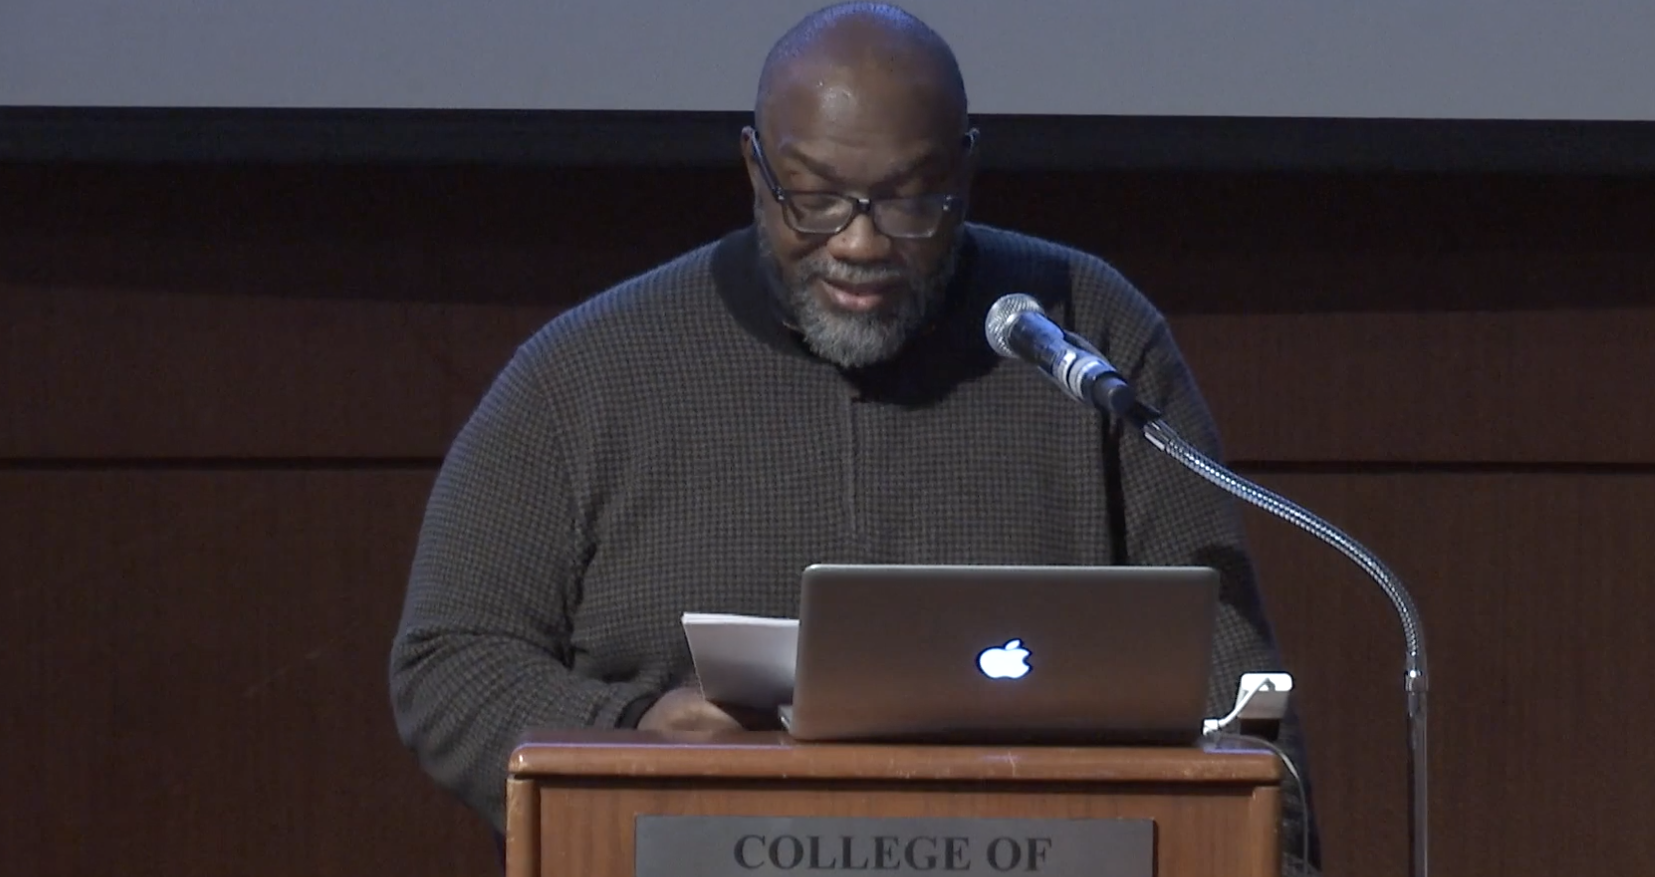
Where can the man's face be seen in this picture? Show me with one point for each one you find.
(860, 293)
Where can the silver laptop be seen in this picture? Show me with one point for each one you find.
(1007, 654)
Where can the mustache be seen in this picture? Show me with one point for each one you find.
(839, 272)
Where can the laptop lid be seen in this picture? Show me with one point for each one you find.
(1003, 653)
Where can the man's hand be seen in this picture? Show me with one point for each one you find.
(684, 709)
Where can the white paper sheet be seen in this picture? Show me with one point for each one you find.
(743, 660)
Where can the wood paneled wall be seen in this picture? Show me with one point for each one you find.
(224, 391)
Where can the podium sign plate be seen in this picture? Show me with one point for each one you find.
(735, 846)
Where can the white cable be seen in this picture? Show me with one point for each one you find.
(1298, 780)
(1263, 697)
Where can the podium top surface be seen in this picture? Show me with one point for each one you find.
(766, 754)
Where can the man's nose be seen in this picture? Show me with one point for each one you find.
(861, 241)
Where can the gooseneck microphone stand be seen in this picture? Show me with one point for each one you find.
(1415, 681)
(1018, 328)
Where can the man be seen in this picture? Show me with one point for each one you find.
(814, 388)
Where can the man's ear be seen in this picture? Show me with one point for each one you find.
(973, 151)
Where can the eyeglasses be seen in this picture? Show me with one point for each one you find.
(829, 213)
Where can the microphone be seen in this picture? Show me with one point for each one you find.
(1017, 328)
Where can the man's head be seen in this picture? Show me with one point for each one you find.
(861, 159)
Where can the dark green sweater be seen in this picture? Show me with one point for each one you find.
(670, 446)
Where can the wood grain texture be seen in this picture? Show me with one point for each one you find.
(339, 312)
(523, 826)
(199, 677)
(221, 391)
(1455, 388)
(1529, 586)
(104, 374)
(768, 755)
(594, 825)
(95, 374)
(1206, 805)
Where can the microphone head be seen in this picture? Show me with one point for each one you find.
(1003, 315)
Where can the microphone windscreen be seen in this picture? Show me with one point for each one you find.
(1003, 315)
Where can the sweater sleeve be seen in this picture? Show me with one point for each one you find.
(483, 649)
(1174, 517)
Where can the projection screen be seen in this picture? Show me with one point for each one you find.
(1534, 60)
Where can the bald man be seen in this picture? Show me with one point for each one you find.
(833, 400)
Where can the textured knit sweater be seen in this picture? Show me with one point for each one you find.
(670, 445)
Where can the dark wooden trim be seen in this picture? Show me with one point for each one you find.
(644, 139)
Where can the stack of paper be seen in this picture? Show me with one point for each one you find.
(743, 660)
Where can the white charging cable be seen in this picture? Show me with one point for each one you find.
(1261, 697)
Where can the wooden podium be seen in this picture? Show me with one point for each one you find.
(633, 804)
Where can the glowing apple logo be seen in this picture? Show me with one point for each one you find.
(1004, 662)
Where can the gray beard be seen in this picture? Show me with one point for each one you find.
(852, 340)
